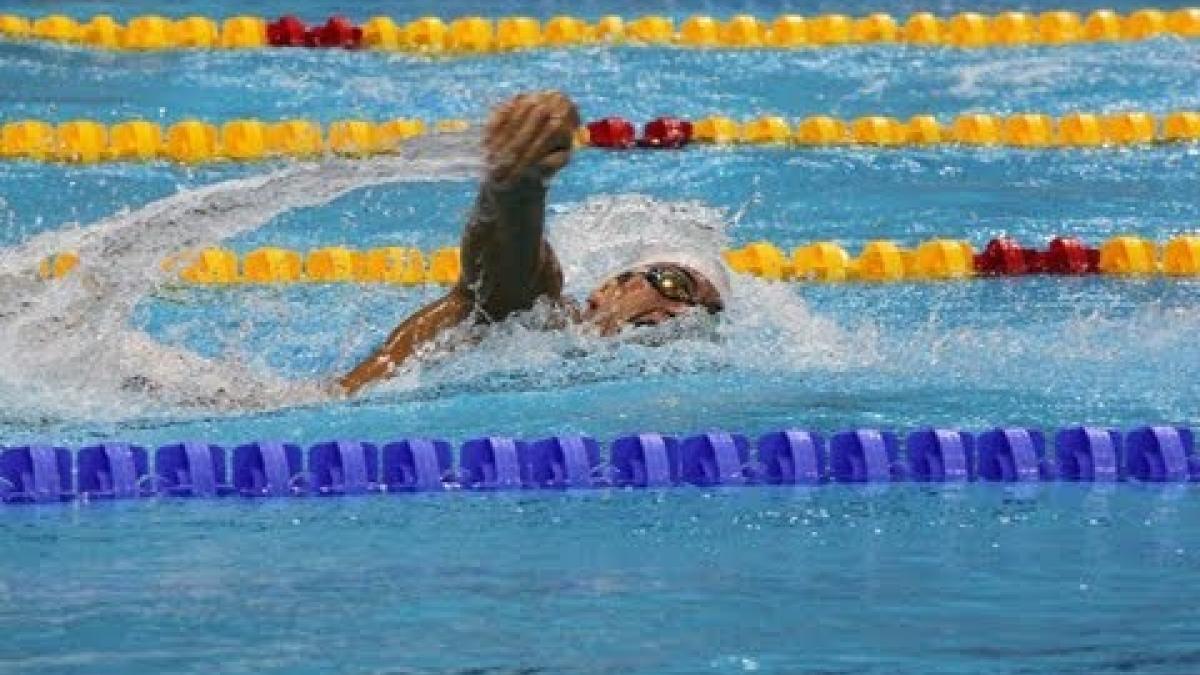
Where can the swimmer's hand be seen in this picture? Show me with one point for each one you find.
(532, 132)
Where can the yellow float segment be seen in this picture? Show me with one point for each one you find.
(1059, 27)
(1128, 255)
(82, 141)
(944, 259)
(295, 138)
(147, 33)
(394, 265)
(518, 32)
(879, 261)
(650, 30)
(564, 31)
(821, 261)
(101, 31)
(335, 263)
(426, 35)
(244, 140)
(272, 265)
(720, 130)
(444, 266)
(243, 32)
(925, 130)
(351, 137)
(769, 129)
(830, 29)
(196, 32)
(1181, 256)
(788, 30)
(27, 139)
(923, 28)
(471, 34)
(135, 140)
(700, 31)
(821, 130)
(191, 142)
(1029, 131)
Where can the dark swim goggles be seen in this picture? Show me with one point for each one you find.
(677, 284)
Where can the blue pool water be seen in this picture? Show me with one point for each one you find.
(833, 580)
(983, 579)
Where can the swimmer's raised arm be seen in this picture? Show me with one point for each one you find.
(506, 262)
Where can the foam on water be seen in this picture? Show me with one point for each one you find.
(766, 328)
(78, 356)
(75, 353)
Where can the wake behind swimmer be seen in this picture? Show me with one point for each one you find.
(80, 357)
(76, 352)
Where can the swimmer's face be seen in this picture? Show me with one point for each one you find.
(649, 295)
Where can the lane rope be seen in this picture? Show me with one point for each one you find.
(480, 35)
(826, 261)
(1148, 454)
(194, 141)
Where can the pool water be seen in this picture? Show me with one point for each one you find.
(1057, 579)
(837, 580)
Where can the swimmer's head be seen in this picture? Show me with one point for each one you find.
(658, 288)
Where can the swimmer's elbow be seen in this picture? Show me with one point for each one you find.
(343, 387)
(372, 370)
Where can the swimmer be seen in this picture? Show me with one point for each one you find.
(508, 265)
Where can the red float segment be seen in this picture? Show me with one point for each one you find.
(337, 32)
(1068, 255)
(1005, 257)
(666, 132)
(287, 31)
(1065, 255)
(611, 132)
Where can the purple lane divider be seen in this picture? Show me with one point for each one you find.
(565, 462)
(112, 471)
(863, 456)
(792, 457)
(266, 468)
(416, 464)
(1088, 454)
(35, 473)
(494, 463)
(43, 473)
(1012, 455)
(645, 460)
(191, 469)
(343, 467)
(1159, 454)
(714, 458)
(940, 455)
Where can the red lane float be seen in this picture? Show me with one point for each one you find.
(1068, 255)
(666, 132)
(287, 31)
(1005, 257)
(618, 133)
(337, 33)
(611, 132)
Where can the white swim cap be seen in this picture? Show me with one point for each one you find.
(712, 267)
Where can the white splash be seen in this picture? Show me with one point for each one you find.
(76, 355)
(73, 352)
(767, 328)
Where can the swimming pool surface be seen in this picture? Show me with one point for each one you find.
(834, 580)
